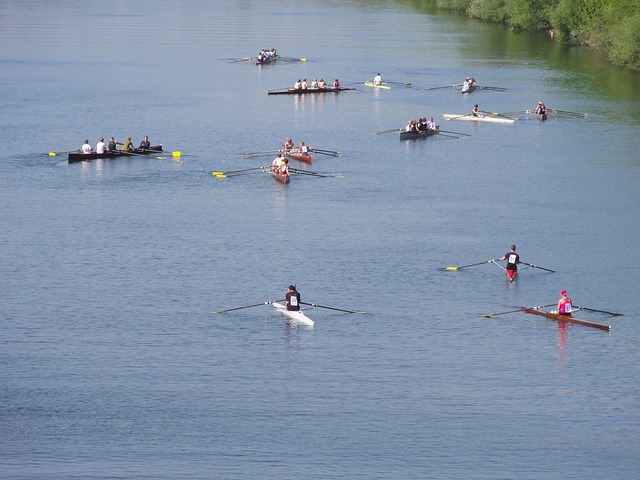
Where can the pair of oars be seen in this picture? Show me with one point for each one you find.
(235, 173)
(494, 261)
(315, 305)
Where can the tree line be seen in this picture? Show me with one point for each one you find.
(611, 26)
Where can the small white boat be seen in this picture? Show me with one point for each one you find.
(297, 316)
(470, 117)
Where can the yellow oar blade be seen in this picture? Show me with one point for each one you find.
(303, 59)
(52, 154)
(176, 154)
(451, 268)
(217, 173)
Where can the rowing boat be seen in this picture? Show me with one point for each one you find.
(565, 318)
(375, 85)
(299, 156)
(267, 60)
(281, 177)
(78, 156)
(404, 135)
(297, 316)
(302, 91)
(473, 118)
(467, 89)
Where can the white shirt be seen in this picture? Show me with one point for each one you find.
(100, 147)
(377, 80)
(86, 148)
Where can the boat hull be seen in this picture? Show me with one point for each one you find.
(566, 318)
(267, 60)
(296, 316)
(471, 118)
(282, 178)
(373, 85)
(304, 91)
(75, 157)
(300, 157)
(404, 135)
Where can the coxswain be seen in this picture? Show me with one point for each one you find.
(564, 304)
(86, 147)
(144, 144)
(475, 112)
(293, 299)
(336, 83)
(541, 109)
(513, 259)
(377, 80)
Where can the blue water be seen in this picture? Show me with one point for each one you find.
(113, 362)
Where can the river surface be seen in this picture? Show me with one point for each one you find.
(113, 362)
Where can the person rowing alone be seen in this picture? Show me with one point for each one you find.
(293, 299)
(541, 108)
(476, 112)
(564, 304)
(513, 259)
(377, 80)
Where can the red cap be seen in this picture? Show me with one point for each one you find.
(563, 292)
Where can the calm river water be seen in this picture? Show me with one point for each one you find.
(113, 362)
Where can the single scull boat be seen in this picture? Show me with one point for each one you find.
(471, 117)
(297, 316)
(565, 318)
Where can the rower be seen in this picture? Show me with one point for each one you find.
(275, 165)
(377, 80)
(541, 109)
(144, 144)
(288, 145)
(475, 112)
(284, 167)
(431, 124)
(86, 147)
(322, 83)
(513, 259)
(314, 83)
(304, 148)
(297, 85)
(303, 85)
(113, 145)
(336, 83)
(564, 304)
(293, 299)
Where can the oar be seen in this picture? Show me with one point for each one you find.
(331, 308)
(215, 172)
(326, 152)
(314, 174)
(388, 130)
(447, 135)
(489, 315)
(563, 112)
(242, 59)
(406, 84)
(536, 266)
(499, 89)
(291, 59)
(470, 265)
(459, 116)
(455, 133)
(496, 114)
(263, 151)
(444, 86)
(521, 112)
(256, 155)
(613, 314)
(240, 308)
(224, 175)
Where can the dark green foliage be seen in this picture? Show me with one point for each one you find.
(611, 26)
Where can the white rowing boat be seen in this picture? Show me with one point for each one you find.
(297, 316)
(470, 117)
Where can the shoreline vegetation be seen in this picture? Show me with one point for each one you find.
(609, 26)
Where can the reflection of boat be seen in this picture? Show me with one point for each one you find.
(472, 118)
(297, 316)
(302, 91)
(375, 85)
(299, 156)
(565, 318)
(78, 156)
(404, 135)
